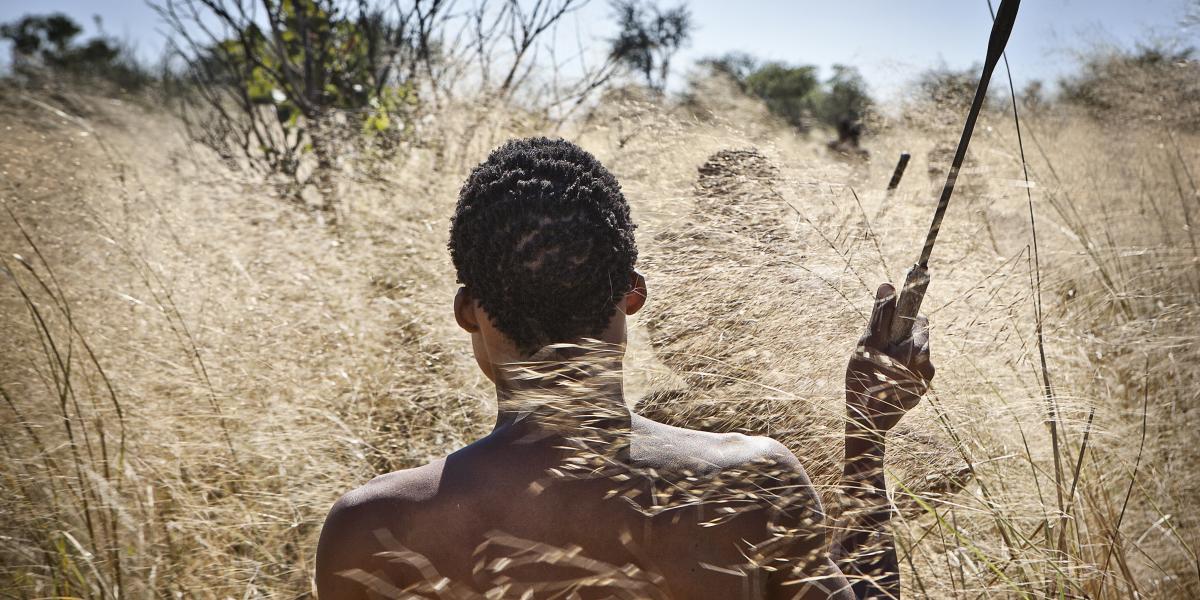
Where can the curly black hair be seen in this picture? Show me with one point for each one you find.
(543, 240)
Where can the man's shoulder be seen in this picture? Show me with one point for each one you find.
(704, 452)
(348, 536)
(389, 492)
(736, 464)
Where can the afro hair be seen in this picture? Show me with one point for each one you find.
(543, 240)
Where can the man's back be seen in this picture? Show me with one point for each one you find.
(571, 496)
(679, 514)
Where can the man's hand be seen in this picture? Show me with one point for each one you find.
(885, 380)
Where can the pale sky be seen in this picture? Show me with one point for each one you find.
(890, 41)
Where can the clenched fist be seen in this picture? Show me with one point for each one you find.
(885, 380)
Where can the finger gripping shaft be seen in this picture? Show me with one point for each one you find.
(908, 305)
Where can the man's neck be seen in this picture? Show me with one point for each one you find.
(574, 392)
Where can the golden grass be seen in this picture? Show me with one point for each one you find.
(192, 371)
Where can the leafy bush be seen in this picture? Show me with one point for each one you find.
(314, 72)
(287, 90)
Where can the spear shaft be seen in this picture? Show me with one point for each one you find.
(917, 280)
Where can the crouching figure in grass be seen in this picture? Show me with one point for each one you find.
(572, 495)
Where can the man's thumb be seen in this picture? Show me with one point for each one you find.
(881, 316)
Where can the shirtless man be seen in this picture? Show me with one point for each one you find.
(572, 495)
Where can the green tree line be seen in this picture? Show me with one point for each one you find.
(797, 93)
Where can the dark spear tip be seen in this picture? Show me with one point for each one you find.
(1002, 28)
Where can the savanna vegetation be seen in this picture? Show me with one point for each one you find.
(224, 290)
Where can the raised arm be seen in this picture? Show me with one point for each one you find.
(883, 381)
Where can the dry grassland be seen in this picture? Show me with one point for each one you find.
(192, 370)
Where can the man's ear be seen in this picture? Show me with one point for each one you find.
(464, 311)
(635, 298)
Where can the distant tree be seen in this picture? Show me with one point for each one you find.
(791, 92)
(649, 37)
(43, 38)
(47, 43)
(845, 99)
(796, 93)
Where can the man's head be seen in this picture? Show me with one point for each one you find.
(543, 244)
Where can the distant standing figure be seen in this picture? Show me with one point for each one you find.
(849, 132)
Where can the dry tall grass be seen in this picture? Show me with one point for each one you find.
(192, 371)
